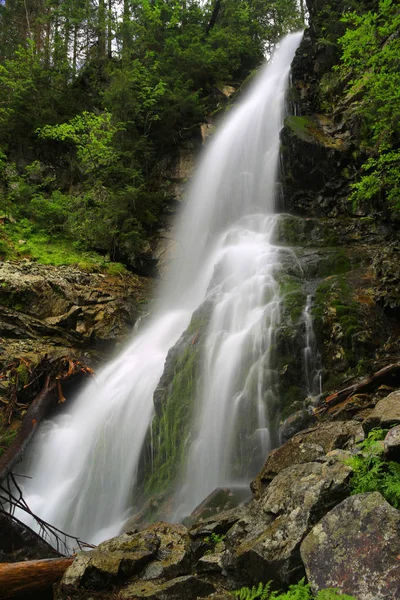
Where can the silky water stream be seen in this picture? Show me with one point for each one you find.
(83, 463)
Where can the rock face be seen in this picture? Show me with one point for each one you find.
(356, 548)
(57, 322)
(86, 306)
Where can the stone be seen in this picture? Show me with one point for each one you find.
(218, 524)
(391, 444)
(174, 589)
(356, 548)
(161, 551)
(220, 500)
(385, 414)
(210, 563)
(307, 446)
(173, 555)
(265, 544)
(301, 419)
(113, 560)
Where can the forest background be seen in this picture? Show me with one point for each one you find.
(95, 94)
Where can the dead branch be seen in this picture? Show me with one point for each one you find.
(365, 385)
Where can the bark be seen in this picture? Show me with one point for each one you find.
(214, 16)
(32, 575)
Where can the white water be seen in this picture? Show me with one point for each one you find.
(310, 354)
(84, 462)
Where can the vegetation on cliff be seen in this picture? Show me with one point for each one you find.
(95, 95)
(370, 69)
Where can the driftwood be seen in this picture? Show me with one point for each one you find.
(31, 575)
(383, 376)
(38, 409)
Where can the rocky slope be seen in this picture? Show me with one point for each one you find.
(301, 520)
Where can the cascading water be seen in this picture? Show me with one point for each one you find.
(310, 355)
(83, 464)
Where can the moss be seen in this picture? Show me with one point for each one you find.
(171, 427)
(23, 373)
(301, 126)
(6, 438)
(334, 263)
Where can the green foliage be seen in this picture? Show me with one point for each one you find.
(93, 136)
(171, 426)
(93, 101)
(371, 473)
(370, 62)
(300, 591)
(214, 538)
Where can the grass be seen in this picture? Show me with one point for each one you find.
(45, 249)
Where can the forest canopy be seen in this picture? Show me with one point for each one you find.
(95, 93)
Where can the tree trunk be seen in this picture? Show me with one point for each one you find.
(31, 575)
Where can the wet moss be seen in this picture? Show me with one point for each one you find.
(170, 428)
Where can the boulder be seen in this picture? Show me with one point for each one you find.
(220, 500)
(308, 446)
(160, 552)
(391, 444)
(265, 544)
(385, 414)
(356, 549)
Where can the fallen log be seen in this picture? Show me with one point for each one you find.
(38, 409)
(31, 575)
(387, 375)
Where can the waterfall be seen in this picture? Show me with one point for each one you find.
(83, 463)
(310, 354)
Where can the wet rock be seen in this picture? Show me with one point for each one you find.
(355, 548)
(293, 452)
(218, 524)
(174, 553)
(391, 444)
(385, 414)
(210, 563)
(219, 501)
(301, 419)
(265, 544)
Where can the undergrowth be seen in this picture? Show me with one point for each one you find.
(23, 239)
(300, 591)
(371, 473)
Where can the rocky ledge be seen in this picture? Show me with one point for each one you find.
(56, 324)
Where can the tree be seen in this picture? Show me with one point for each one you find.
(371, 64)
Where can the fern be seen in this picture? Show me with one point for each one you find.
(300, 591)
(260, 592)
(371, 473)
